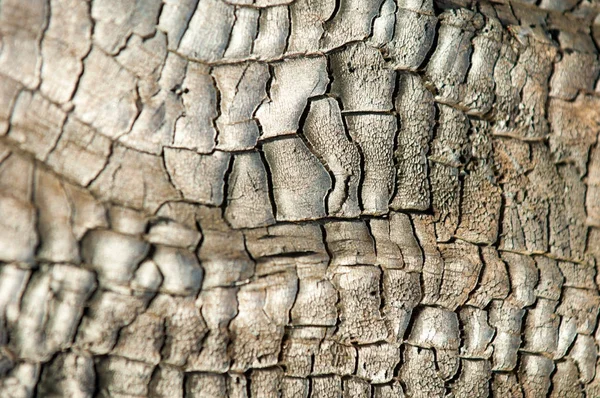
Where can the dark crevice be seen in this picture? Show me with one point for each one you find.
(226, 188)
(289, 31)
(323, 162)
(270, 189)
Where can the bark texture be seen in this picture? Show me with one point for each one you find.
(299, 198)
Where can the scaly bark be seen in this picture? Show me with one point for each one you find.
(299, 198)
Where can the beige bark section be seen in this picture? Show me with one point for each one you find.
(299, 198)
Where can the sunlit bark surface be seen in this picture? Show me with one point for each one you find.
(299, 198)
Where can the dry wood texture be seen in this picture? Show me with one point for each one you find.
(299, 198)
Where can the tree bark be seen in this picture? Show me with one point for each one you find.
(299, 198)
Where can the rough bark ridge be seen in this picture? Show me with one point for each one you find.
(311, 198)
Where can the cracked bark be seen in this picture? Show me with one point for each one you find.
(299, 198)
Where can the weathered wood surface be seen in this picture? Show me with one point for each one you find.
(299, 198)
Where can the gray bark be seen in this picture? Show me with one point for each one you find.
(299, 198)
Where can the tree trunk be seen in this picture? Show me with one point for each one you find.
(299, 198)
